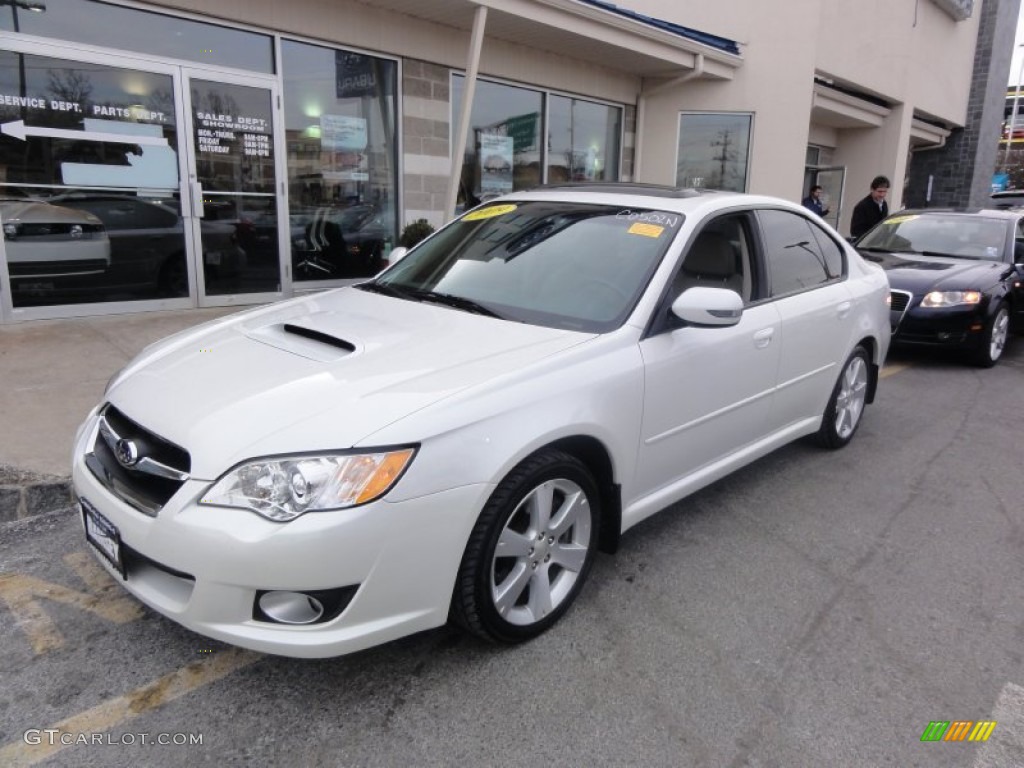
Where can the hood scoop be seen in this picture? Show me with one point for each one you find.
(315, 335)
(301, 340)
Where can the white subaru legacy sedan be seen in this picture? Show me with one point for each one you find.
(456, 438)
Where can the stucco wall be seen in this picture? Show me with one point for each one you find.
(365, 27)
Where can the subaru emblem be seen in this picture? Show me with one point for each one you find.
(126, 452)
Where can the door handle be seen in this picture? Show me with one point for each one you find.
(763, 337)
(844, 309)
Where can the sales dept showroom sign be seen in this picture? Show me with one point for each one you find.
(229, 134)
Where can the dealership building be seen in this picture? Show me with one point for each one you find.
(183, 154)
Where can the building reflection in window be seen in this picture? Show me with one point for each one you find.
(714, 149)
(340, 116)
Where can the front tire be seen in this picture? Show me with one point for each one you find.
(993, 339)
(530, 550)
(846, 406)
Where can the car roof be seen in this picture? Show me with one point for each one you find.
(676, 199)
(991, 213)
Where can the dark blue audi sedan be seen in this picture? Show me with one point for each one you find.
(955, 276)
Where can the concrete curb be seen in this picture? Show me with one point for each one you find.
(25, 494)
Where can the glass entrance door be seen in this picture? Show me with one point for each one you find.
(140, 185)
(233, 189)
(831, 181)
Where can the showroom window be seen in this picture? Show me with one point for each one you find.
(714, 150)
(583, 140)
(91, 23)
(342, 160)
(504, 149)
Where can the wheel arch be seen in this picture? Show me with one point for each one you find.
(595, 456)
(870, 343)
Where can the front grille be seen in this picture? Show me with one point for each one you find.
(156, 470)
(899, 300)
(58, 231)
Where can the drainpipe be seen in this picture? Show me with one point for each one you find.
(641, 106)
(459, 147)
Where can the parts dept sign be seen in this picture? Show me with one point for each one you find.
(138, 114)
(221, 134)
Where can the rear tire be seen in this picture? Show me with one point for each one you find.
(530, 550)
(846, 406)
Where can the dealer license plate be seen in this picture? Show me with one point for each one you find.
(103, 535)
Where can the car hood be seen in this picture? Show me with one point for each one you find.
(38, 212)
(918, 274)
(319, 373)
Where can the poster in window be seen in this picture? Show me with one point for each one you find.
(343, 144)
(495, 164)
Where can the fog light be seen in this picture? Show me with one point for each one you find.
(291, 607)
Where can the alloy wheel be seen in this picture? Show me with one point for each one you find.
(852, 396)
(541, 552)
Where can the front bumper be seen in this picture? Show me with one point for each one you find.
(952, 328)
(203, 566)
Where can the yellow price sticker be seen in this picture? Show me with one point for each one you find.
(647, 230)
(900, 219)
(489, 212)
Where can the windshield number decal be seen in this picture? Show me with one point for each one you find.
(649, 217)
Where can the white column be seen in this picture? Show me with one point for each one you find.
(458, 148)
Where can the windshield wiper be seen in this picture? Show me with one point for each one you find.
(458, 302)
(415, 294)
(941, 254)
(387, 290)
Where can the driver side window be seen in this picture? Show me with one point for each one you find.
(719, 257)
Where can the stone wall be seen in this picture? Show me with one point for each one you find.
(426, 128)
(961, 171)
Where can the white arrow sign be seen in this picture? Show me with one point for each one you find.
(19, 130)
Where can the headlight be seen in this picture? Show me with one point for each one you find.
(950, 298)
(283, 488)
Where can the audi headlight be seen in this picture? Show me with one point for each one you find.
(937, 299)
(283, 488)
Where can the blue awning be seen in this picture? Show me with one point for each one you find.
(714, 41)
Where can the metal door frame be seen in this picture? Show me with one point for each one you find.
(271, 84)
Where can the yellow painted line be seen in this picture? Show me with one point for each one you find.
(889, 370)
(110, 714)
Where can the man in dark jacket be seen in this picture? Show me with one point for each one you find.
(872, 209)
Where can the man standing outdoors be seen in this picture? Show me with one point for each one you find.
(872, 209)
(813, 201)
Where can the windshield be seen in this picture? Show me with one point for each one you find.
(560, 264)
(937, 234)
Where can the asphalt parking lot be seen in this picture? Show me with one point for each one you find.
(816, 608)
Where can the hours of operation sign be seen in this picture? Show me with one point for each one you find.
(221, 134)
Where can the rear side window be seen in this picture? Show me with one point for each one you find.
(793, 253)
(830, 249)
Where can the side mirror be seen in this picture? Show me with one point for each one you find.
(397, 254)
(708, 306)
